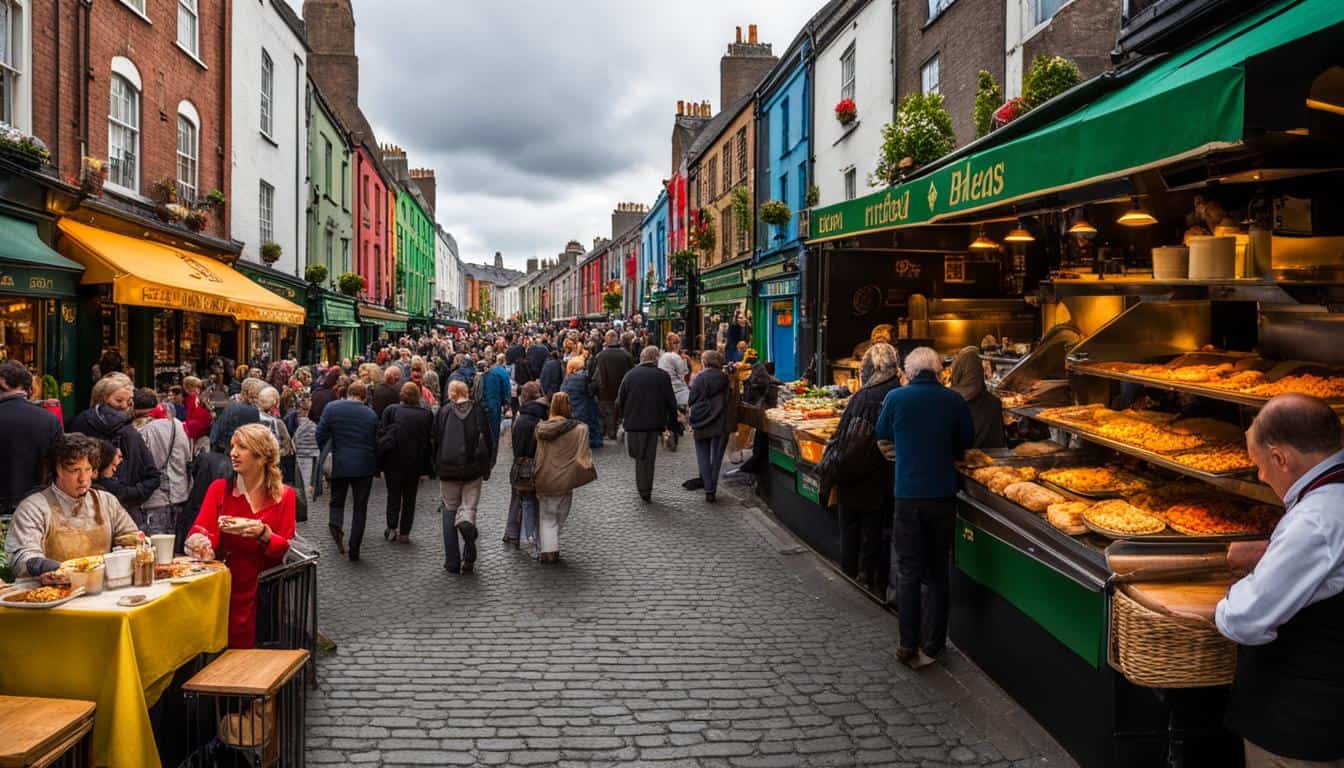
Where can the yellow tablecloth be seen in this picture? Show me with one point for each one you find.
(120, 658)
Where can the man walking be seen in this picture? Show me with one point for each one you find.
(1287, 614)
(388, 391)
(25, 466)
(496, 390)
(609, 369)
(927, 427)
(350, 428)
(463, 456)
(646, 403)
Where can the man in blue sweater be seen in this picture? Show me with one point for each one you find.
(925, 427)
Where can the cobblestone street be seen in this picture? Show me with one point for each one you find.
(674, 634)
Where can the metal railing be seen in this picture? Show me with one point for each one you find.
(287, 604)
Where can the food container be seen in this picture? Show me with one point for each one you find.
(91, 580)
(163, 547)
(118, 565)
(1154, 647)
(1171, 262)
(1213, 258)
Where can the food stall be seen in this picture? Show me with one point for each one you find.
(1183, 270)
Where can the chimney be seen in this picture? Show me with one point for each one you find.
(739, 35)
(531, 265)
(499, 260)
(743, 68)
(681, 107)
(424, 180)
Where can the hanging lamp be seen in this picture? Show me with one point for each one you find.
(983, 243)
(1019, 234)
(1082, 227)
(1136, 216)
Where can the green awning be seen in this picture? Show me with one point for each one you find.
(334, 311)
(1186, 104)
(725, 296)
(30, 267)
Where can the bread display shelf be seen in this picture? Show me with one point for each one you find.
(1097, 369)
(1232, 482)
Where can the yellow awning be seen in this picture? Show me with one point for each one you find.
(150, 274)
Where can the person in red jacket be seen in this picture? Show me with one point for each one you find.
(248, 520)
(197, 421)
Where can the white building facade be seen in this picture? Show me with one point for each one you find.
(269, 190)
(504, 299)
(855, 61)
(449, 287)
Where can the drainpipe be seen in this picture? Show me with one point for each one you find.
(299, 197)
(806, 267)
(56, 102)
(85, 74)
(895, 63)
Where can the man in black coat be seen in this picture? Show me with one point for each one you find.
(646, 403)
(609, 369)
(537, 354)
(387, 392)
(532, 412)
(463, 456)
(37, 429)
(405, 432)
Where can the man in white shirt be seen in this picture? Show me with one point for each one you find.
(1287, 614)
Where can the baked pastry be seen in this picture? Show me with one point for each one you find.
(1067, 516)
(1032, 496)
(1219, 518)
(998, 478)
(1095, 480)
(1325, 387)
(1217, 459)
(976, 458)
(1038, 448)
(1118, 517)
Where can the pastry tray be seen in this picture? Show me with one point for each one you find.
(1161, 535)
(1093, 368)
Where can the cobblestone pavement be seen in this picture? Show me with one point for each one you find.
(675, 634)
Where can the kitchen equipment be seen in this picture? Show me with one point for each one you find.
(1213, 257)
(1171, 262)
(163, 547)
(118, 565)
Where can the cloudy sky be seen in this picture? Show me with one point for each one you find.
(539, 116)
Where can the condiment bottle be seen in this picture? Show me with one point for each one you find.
(142, 573)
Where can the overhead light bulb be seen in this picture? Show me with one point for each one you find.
(1083, 228)
(1136, 216)
(1019, 234)
(983, 243)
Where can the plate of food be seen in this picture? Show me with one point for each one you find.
(40, 597)
(1221, 518)
(1096, 482)
(235, 525)
(1118, 519)
(184, 569)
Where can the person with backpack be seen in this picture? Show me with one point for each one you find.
(463, 457)
(404, 437)
(170, 449)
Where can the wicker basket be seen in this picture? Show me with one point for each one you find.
(1156, 650)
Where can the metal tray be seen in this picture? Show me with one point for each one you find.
(1089, 368)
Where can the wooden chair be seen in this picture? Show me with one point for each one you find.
(252, 702)
(36, 733)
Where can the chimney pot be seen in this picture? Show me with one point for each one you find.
(739, 35)
(751, 32)
(681, 105)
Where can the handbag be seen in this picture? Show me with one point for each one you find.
(522, 475)
(584, 472)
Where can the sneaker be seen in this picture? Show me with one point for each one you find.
(389, 534)
(906, 655)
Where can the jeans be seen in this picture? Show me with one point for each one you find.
(402, 488)
(643, 448)
(459, 505)
(553, 512)
(861, 541)
(606, 411)
(921, 537)
(362, 487)
(709, 457)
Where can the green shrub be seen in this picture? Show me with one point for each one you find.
(1048, 77)
(315, 273)
(922, 132)
(987, 99)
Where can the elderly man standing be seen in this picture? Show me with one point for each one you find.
(648, 406)
(1287, 614)
(928, 427)
(609, 369)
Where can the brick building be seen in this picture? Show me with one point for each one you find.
(941, 47)
(1083, 31)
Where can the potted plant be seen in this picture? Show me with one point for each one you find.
(813, 196)
(702, 236)
(1048, 77)
(776, 213)
(197, 220)
(611, 302)
(270, 252)
(846, 111)
(315, 273)
(165, 190)
(741, 208)
(922, 132)
(986, 101)
(350, 283)
(171, 212)
(215, 199)
(683, 262)
(27, 151)
(95, 173)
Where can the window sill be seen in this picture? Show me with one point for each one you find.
(268, 138)
(137, 12)
(127, 194)
(848, 129)
(191, 55)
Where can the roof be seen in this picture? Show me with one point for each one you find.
(489, 273)
(292, 21)
(717, 125)
(789, 60)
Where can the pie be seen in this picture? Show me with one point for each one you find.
(1220, 518)
(1217, 459)
(1032, 496)
(1038, 448)
(1095, 480)
(1119, 517)
(1157, 500)
(1067, 516)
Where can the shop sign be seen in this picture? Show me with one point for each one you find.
(36, 282)
(722, 279)
(787, 287)
(336, 313)
(279, 288)
(195, 301)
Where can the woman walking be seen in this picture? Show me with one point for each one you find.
(564, 462)
(578, 388)
(404, 435)
(109, 418)
(522, 523)
(711, 417)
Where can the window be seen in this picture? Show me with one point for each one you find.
(726, 236)
(802, 187)
(713, 180)
(364, 199)
(188, 152)
(1044, 10)
(327, 248)
(928, 76)
(851, 184)
(847, 73)
(345, 185)
(784, 126)
(326, 167)
(266, 211)
(727, 168)
(936, 7)
(123, 135)
(138, 5)
(345, 254)
(742, 154)
(187, 35)
(267, 92)
(784, 187)
(11, 54)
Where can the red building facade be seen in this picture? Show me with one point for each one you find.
(372, 223)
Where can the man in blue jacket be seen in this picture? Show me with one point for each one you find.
(497, 386)
(924, 427)
(351, 429)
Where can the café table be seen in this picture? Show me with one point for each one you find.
(118, 657)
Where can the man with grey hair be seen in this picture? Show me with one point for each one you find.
(1287, 614)
(928, 427)
(609, 369)
(648, 406)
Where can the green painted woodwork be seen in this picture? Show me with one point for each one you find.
(331, 197)
(415, 241)
(783, 460)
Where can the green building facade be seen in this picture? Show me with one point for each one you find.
(415, 255)
(331, 325)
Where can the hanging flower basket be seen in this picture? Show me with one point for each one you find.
(171, 212)
(846, 111)
(270, 252)
(776, 213)
(197, 220)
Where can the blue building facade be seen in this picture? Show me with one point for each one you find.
(784, 173)
(653, 270)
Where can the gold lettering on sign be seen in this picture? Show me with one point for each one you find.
(199, 270)
(830, 222)
(968, 186)
(39, 283)
(890, 210)
(6, 281)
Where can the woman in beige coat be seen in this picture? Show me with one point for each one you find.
(564, 462)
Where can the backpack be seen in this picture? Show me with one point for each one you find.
(478, 388)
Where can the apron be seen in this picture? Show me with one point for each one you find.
(65, 543)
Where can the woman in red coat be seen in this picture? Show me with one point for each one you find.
(197, 423)
(248, 521)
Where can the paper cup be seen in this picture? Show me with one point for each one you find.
(118, 566)
(163, 547)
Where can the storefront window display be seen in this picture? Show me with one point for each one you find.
(267, 342)
(19, 331)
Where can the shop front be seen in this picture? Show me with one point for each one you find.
(333, 327)
(777, 305)
(724, 295)
(269, 342)
(170, 312)
(380, 325)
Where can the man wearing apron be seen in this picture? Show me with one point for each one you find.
(68, 519)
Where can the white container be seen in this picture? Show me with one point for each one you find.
(1213, 258)
(118, 564)
(163, 547)
(91, 580)
(1171, 262)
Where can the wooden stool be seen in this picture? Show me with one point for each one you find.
(36, 733)
(255, 702)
